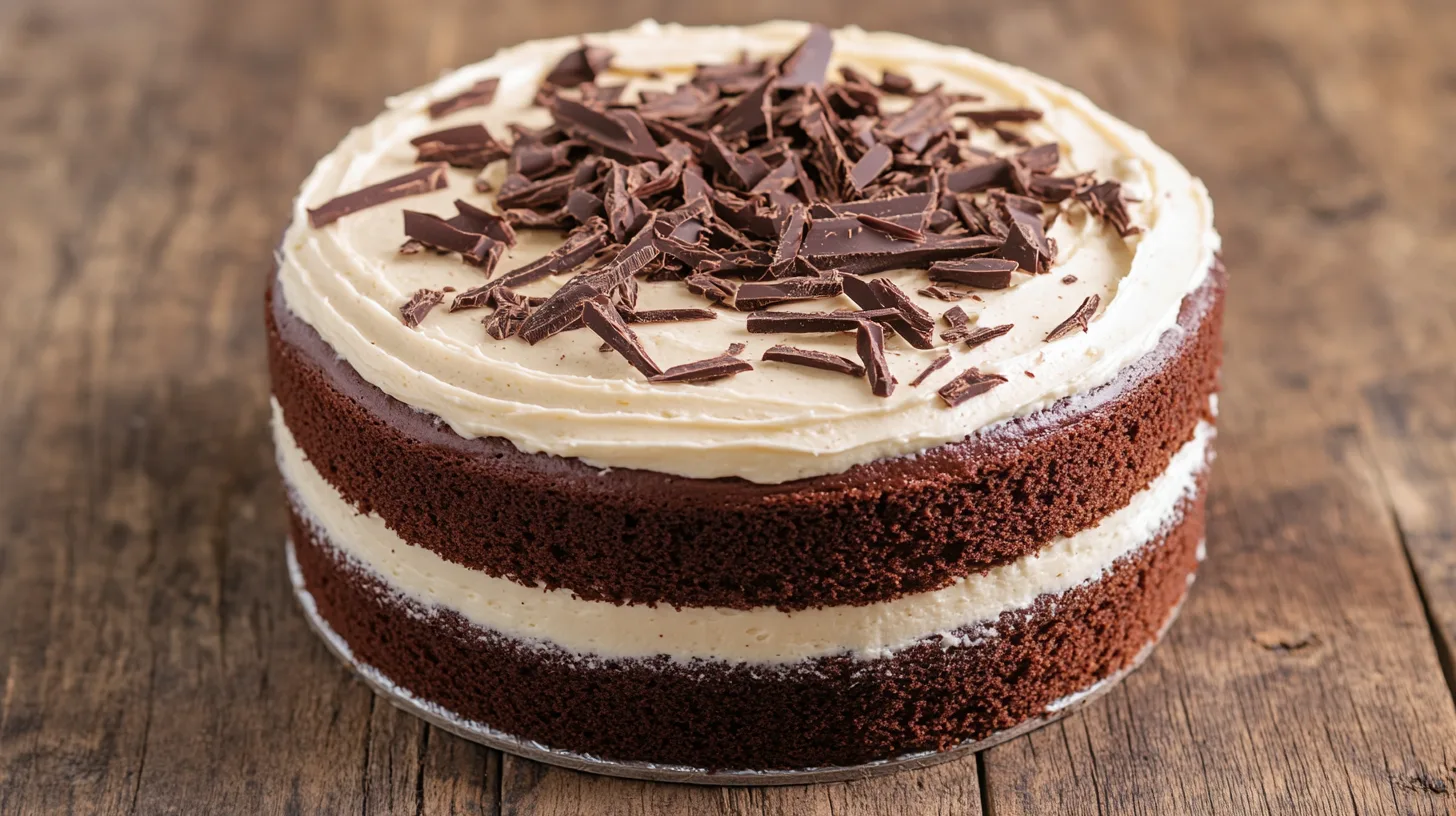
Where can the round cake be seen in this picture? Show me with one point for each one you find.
(755, 402)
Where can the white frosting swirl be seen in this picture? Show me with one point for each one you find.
(779, 422)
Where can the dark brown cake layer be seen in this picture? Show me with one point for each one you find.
(828, 711)
(874, 532)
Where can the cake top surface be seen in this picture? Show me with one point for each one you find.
(887, 185)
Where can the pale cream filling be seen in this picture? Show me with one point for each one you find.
(964, 611)
(779, 422)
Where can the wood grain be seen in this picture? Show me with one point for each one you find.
(152, 660)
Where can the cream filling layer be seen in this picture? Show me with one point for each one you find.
(779, 422)
(963, 611)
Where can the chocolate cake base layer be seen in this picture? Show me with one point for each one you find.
(828, 711)
(872, 533)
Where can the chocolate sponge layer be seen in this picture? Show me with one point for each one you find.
(872, 533)
(828, 711)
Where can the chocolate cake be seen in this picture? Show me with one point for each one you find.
(744, 401)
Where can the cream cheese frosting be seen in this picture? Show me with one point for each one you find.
(965, 610)
(779, 422)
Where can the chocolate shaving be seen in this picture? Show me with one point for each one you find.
(907, 319)
(420, 305)
(433, 231)
(941, 293)
(506, 320)
(481, 93)
(755, 295)
(895, 230)
(604, 320)
(714, 368)
(870, 343)
(1026, 243)
(811, 322)
(668, 315)
(935, 365)
(426, 179)
(989, 118)
(870, 166)
(468, 146)
(891, 82)
(806, 64)
(583, 65)
(755, 183)
(986, 334)
(574, 252)
(791, 238)
(564, 307)
(970, 383)
(814, 359)
(1078, 319)
(980, 273)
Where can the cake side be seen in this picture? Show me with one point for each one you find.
(828, 711)
(877, 531)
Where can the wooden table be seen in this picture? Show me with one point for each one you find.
(152, 656)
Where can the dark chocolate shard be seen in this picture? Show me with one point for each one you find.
(1078, 319)
(713, 368)
(583, 65)
(749, 113)
(735, 349)
(870, 343)
(979, 273)
(420, 305)
(891, 82)
(582, 205)
(989, 118)
(869, 166)
(564, 307)
(973, 178)
(536, 194)
(907, 319)
(754, 295)
(426, 179)
(896, 230)
(850, 246)
(814, 359)
(601, 318)
(1026, 243)
(1106, 200)
(668, 315)
(1040, 159)
(935, 365)
(791, 238)
(811, 322)
(620, 134)
(970, 383)
(433, 231)
(468, 146)
(942, 293)
(471, 218)
(481, 93)
(574, 252)
(745, 170)
(808, 62)
(985, 334)
(506, 320)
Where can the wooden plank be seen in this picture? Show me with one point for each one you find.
(532, 789)
(152, 657)
(1301, 678)
(1413, 420)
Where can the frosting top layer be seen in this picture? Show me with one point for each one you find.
(779, 422)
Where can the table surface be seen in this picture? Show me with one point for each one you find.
(153, 659)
